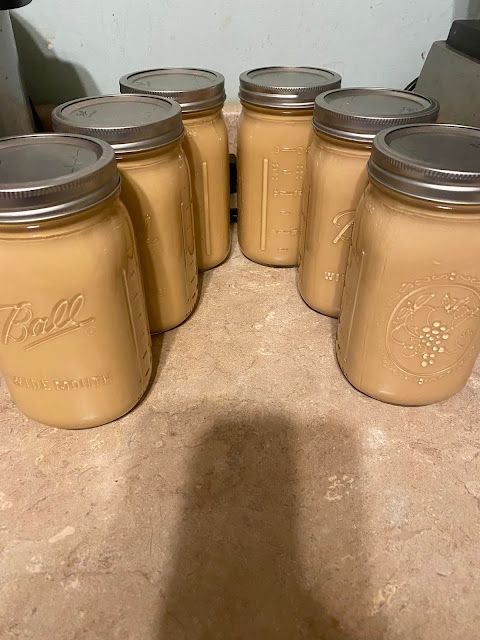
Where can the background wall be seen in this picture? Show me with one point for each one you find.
(82, 47)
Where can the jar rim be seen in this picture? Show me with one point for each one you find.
(128, 122)
(280, 87)
(437, 162)
(48, 176)
(360, 113)
(194, 89)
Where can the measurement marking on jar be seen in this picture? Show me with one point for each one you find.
(184, 236)
(294, 193)
(206, 210)
(131, 316)
(286, 232)
(296, 171)
(355, 302)
(286, 149)
(263, 231)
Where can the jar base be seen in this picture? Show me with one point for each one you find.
(329, 313)
(266, 263)
(386, 398)
(94, 424)
(216, 263)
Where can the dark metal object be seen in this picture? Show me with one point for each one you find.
(15, 112)
(464, 36)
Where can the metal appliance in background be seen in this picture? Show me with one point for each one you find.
(451, 74)
(15, 112)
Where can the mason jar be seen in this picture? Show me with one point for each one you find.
(146, 134)
(409, 329)
(201, 95)
(74, 341)
(345, 122)
(273, 136)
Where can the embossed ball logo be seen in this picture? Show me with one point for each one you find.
(433, 327)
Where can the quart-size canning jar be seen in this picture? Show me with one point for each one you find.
(74, 341)
(145, 133)
(201, 95)
(409, 329)
(345, 122)
(273, 136)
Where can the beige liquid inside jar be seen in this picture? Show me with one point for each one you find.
(273, 136)
(409, 330)
(345, 123)
(74, 341)
(146, 134)
(201, 95)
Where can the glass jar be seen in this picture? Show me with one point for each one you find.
(273, 136)
(146, 134)
(345, 122)
(74, 341)
(201, 95)
(409, 329)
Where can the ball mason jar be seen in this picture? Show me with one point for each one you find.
(345, 122)
(201, 95)
(74, 341)
(409, 329)
(273, 136)
(146, 133)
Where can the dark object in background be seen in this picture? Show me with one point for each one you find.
(464, 36)
(13, 4)
(15, 111)
(451, 74)
(411, 85)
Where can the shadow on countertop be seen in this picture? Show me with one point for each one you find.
(239, 572)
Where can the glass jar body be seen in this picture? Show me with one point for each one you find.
(156, 192)
(335, 180)
(409, 329)
(272, 146)
(206, 148)
(75, 346)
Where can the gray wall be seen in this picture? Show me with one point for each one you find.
(77, 47)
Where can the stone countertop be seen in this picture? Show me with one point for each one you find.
(253, 495)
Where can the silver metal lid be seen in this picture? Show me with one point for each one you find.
(437, 162)
(45, 176)
(193, 89)
(286, 87)
(359, 114)
(129, 123)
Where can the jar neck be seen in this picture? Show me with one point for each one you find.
(280, 112)
(426, 207)
(149, 155)
(360, 145)
(66, 224)
(199, 116)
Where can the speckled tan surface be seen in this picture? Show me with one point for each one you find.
(231, 113)
(254, 495)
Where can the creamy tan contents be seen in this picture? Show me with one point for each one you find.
(335, 180)
(409, 330)
(74, 342)
(272, 149)
(206, 147)
(156, 191)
